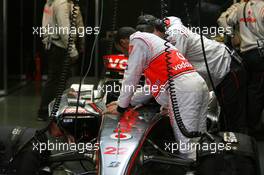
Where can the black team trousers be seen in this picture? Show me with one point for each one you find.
(232, 97)
(255, 88)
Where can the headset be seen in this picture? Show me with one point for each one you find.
(149, 21)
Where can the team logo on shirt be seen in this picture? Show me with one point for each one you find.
(250, 18)
(180, 56)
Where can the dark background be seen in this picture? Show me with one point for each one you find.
(22, 46)
(1, 50)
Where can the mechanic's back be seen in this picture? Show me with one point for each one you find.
(189, 44)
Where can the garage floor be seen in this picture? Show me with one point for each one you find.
(20, 109)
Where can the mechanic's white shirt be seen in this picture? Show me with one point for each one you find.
(255, 19)
(189, 44)
(144, 47)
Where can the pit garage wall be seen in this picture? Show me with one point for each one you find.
(2, 53)
(10, 59)
(1, 46)
(16, 40)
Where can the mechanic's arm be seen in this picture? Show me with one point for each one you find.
(232, 19)
(141, 96)
(222, 20)
(63, 12)
(136, 64)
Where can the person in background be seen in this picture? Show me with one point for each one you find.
(233, 38)
(250, 18)
(56, 22)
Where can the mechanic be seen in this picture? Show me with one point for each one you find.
(56, 22)
(231, 32)
(147, 55)
(250, 16)
(228, 74)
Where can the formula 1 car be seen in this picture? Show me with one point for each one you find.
(124, 144)
(140, 141)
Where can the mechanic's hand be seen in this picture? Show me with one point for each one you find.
(112, 109)
(111, 104)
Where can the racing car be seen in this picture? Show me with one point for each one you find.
(140, 141)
